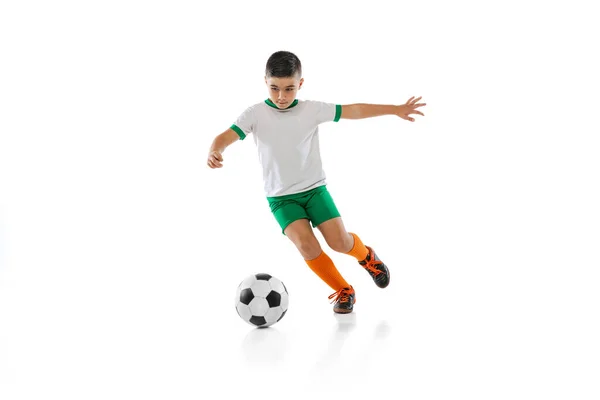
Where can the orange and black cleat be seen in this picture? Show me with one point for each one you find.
(376, 268)
(344, 300)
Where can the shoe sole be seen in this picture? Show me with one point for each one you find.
(341, 311)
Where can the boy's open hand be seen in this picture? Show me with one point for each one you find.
(405, 110)
(215, 159)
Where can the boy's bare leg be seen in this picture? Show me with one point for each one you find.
(302, 235)
(340, 240)
(336, 236)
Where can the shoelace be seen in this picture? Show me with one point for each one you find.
(372, 264)
(341, 294)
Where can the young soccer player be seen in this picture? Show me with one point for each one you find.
(285, 131)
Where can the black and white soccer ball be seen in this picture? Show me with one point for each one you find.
(261, 300)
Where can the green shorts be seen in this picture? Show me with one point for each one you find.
(316, 205)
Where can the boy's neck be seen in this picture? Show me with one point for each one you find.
(271, 104)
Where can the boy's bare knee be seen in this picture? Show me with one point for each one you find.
(301, 234)
(341, 244)
(309, 248)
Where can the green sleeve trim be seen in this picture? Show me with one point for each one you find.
(338, 112)
(240, 132)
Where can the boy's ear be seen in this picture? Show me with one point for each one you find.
(301, 82)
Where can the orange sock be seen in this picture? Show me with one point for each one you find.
(324, 267)
(359, 251)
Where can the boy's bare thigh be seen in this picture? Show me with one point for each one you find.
(336, 236)
(302, 235)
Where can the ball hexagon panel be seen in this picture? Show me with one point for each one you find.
(261, 288)
(259, 306)
(248, 282)
(243, 311)
(281, 316)
(277, 285)
(273, 315)
(285, 299)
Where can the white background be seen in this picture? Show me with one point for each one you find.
(120, 250)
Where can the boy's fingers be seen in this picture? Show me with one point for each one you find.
(213, 163)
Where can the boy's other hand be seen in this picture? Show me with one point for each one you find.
(215, 159)
(405, 110)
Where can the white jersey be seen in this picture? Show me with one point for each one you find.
(288, 143)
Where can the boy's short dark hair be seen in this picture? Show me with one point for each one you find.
(283, 64)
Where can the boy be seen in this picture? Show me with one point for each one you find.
(286, 135)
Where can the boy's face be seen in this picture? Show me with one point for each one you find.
(283, 91)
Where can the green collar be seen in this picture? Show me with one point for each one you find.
(271, 104)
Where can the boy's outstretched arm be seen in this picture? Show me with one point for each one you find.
(359, 111)
(219, 144)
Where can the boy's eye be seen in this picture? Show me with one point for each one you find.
(289, 89)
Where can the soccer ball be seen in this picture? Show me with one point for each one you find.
(261, 300)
